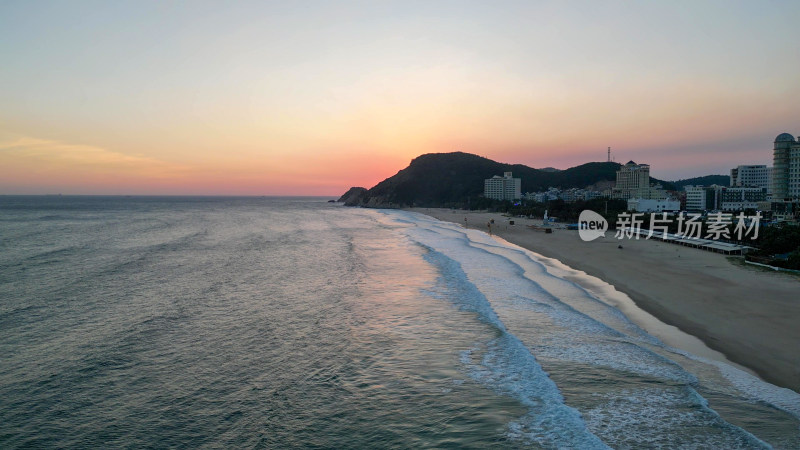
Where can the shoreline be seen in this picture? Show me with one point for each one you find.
(747, 315)
(668, 334)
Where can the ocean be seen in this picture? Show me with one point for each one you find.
(190, 322)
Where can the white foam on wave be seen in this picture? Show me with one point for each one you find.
(579, 328)
(745, 381)
(575, 336)
(511, 369)
(639, 321)
(648, 418)
(752, 387)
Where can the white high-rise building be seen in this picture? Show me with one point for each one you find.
(752, 176)
(786, 168)
(633, 181)
(632, 178)
(503, 188)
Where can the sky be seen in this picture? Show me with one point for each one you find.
(312, 97)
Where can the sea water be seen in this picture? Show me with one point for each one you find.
(292, 322)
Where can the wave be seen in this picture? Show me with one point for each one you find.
(631, 389)
(509, 367)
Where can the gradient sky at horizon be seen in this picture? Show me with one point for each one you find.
(310, 98)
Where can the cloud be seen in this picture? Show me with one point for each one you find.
(29, 157)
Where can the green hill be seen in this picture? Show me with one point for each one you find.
(708, 180)
(440, 179)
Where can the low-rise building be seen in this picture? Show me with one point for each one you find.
(653, 205)
(571, 195)
(567, 195)
(742, 198)
(591, 195)
(715, 197)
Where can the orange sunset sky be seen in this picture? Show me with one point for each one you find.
(310, 98)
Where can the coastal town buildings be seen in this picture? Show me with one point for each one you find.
(590, 195)
(716, 197)
(571, 195)
(503, 188)
(567, 195)
(543, 197)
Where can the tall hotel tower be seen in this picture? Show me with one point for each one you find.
(786, 168)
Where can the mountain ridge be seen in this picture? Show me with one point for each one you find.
(444, 179)
(707, 180)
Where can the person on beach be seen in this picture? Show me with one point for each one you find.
(489, 224)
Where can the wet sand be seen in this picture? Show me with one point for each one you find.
(750, 315)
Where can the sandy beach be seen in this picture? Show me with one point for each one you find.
(749, 315)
